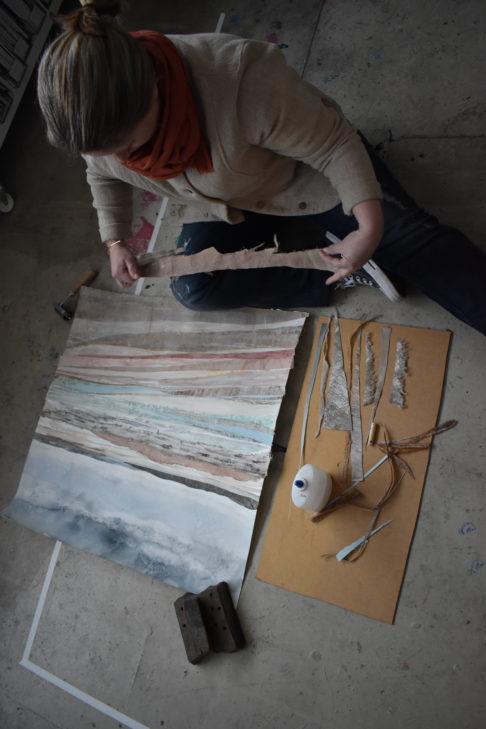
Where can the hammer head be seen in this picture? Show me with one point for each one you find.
(62, 311)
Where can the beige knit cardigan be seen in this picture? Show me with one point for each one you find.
(278, 144)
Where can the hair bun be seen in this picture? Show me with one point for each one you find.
(88, 19)
(103, 7)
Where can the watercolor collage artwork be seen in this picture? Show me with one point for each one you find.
(156, 435)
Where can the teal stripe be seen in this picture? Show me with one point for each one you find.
(111, 407)
(94, 388)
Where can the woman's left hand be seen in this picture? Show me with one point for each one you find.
(357, 247)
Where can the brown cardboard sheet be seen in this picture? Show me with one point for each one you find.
(293, 547)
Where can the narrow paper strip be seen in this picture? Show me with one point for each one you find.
(322, 400)
(356, 432)
(324, 376)
(385, 333)
(310, 386)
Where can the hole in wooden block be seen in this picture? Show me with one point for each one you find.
(210, 622)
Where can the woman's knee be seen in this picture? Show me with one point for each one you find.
(194, 291)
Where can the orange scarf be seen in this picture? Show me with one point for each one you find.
(178, 142)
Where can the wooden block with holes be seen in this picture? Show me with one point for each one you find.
(209, 622)
(192, 627)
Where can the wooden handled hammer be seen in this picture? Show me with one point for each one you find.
(84, 281)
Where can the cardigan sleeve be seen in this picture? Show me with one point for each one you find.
(279, 111)
(112, 200)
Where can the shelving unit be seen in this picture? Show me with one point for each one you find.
(24, 27)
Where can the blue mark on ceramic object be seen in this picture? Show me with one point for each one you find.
(282, 45)
(234, 19)
(467, 528)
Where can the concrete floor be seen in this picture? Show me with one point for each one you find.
(411, 75)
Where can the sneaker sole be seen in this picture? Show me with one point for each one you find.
(373, 270)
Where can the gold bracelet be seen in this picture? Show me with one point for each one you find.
(115, 243)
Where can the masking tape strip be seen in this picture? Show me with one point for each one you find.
(50, 677)
(42, 600)
(82, 696)
(220, 22)
(153, 238)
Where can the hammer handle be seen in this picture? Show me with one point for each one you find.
(87, 279)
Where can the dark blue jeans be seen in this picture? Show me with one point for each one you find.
(436, 259)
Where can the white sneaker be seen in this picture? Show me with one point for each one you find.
(369, 275)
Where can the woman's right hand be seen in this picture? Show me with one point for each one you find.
(124, 267)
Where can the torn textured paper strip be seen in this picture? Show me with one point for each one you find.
(356, 433)
(370, 384)
(337, 412)
(175, 263)
(385, 334)
(400, 372)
